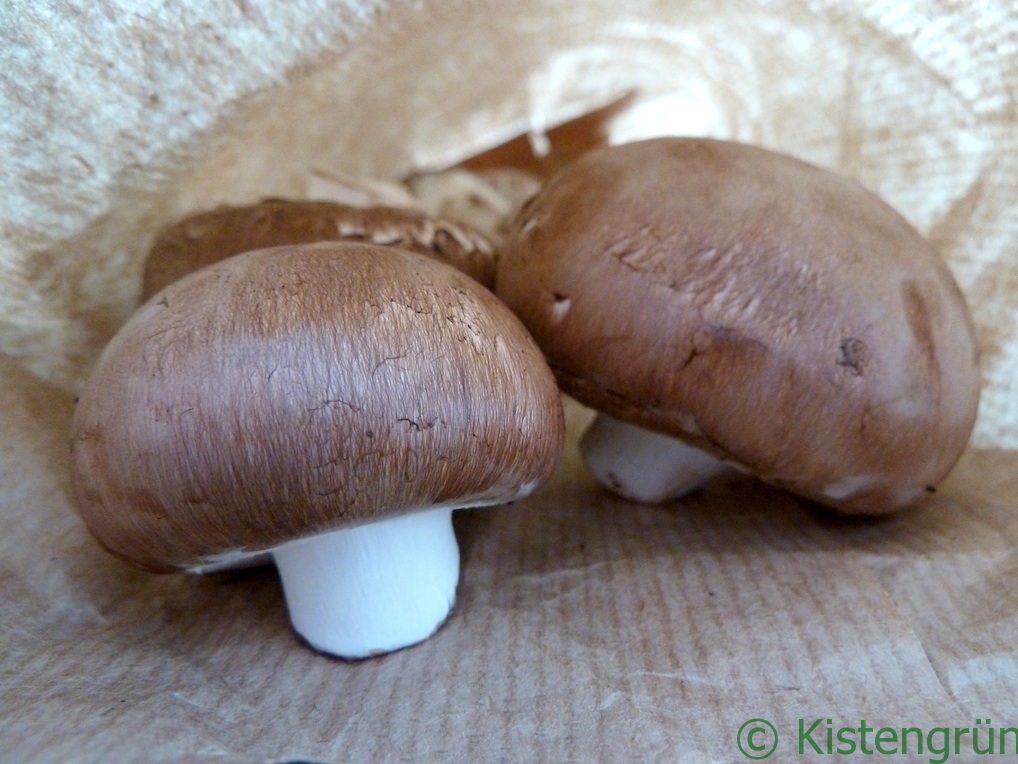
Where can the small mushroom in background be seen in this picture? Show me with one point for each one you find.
(331, 403)
(460, 214)
(208, 237)
(721, 304)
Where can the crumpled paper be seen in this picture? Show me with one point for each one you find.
(586, 628)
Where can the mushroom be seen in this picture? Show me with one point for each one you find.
(332, 403)
(721, 304)
(207, 237)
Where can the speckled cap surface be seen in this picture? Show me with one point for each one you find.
(766, 310)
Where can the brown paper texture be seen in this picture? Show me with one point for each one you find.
(586, 628)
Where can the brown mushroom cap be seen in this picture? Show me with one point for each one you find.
(290, 391)
(207, 237)
(768, 311)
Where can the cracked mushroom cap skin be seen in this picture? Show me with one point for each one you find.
(291, 391)
(765, 310)
(207, 237)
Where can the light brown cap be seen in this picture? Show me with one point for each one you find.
(207, 237)
(765, 310)
(290, 391)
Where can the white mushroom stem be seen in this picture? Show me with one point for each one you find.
(373, 588)
(644, 466)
